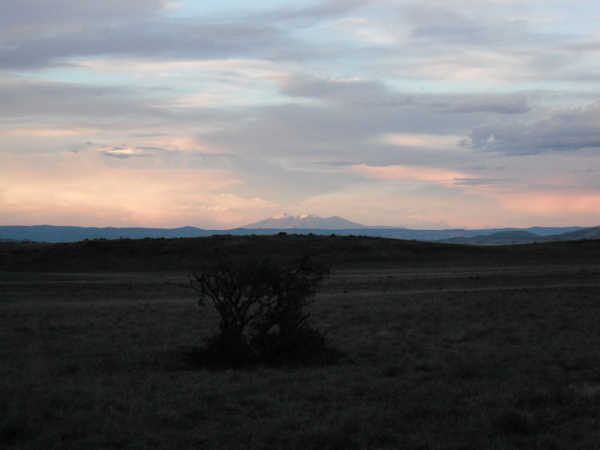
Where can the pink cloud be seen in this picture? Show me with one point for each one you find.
(552, 203)
(424, 141)
(49, 132)
(398, 173)
(80, 191)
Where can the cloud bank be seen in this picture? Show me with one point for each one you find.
(390, 112)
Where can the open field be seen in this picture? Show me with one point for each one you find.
(437, 356)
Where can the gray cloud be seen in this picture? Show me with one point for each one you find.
(44, 11)
(136, 30)
(350, 117)
(77, 105)
(448, 24)
(341, 127)
(500, 104)
(333, 163)
(344, 91)
(126, 153)
(28, 98)
(570, 130)
(377, 94)
(304, 134)
(585, 46)
(21, 19)
(164, 38)
(309, 15)
(451, 27)
(480, 181)
(461, 39)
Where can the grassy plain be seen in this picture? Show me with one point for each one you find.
(471, 351)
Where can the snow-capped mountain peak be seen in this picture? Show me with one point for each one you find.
(306, 221)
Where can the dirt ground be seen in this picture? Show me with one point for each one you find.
(501, 357)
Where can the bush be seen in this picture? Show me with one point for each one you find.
(262, 311)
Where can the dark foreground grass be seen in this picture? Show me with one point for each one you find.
(435, 359)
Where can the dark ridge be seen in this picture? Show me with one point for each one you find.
(189, 253)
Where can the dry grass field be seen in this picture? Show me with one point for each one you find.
(452, 356)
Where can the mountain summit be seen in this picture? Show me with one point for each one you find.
(306, 221)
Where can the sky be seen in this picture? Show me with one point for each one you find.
(216, 114)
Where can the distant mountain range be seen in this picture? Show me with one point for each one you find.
(303, 225)
(525, 237)
(499, 238)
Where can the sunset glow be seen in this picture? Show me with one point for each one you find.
(219, 114)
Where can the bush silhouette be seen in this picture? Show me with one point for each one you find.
(262, 312)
